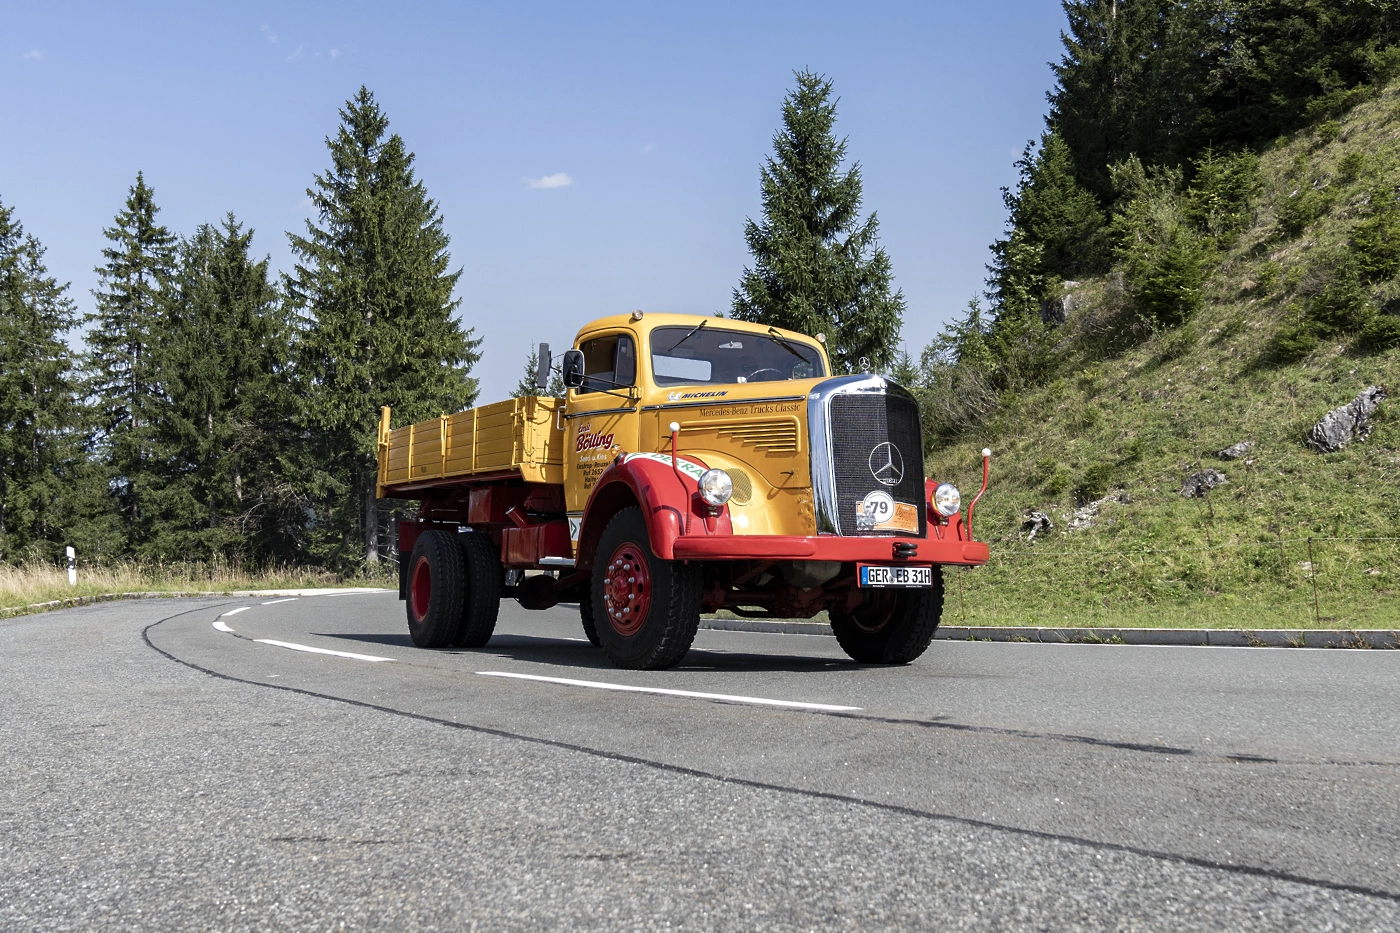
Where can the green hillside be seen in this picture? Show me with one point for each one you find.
(1296, 315)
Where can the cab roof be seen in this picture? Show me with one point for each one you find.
(650, 321)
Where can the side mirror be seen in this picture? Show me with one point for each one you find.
(542, 373)
(572, 369)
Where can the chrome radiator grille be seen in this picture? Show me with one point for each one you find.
(867, 458)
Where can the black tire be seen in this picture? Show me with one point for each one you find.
(585, 612)
(666, 593)
(891, 626)
(435, 589)
(481, 593)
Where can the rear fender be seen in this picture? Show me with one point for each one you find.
(648, 481)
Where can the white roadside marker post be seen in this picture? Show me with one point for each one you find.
(72, 567)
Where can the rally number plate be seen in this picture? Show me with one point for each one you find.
(884, 575)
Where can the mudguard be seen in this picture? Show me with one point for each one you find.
(671, 507)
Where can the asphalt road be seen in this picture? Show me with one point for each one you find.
(176, 765)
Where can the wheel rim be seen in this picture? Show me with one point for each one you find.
(873, 616)
(422, 588)
(627, 589)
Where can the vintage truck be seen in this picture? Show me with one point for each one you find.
(696, 464)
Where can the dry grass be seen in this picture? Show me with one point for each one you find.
(25, 585)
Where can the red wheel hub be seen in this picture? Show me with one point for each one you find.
(422, 588)
(627, 589)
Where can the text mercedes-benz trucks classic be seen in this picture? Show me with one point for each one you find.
(696, 464)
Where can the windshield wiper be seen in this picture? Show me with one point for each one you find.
(773, 332)
(693, 331)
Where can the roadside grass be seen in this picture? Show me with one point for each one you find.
(25, 585)
(1125, 427)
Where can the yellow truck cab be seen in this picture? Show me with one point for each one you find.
(695, 464)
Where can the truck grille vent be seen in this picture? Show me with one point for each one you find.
(861, 427)
(776, 436)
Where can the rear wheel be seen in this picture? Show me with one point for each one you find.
(481, 595)
(645, 610)
(585, 611)
(891, 626)
(435, 589)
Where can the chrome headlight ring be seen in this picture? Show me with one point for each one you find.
(716, 487)
(947, 500)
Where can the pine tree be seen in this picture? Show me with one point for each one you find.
(817, 268)
(527, 387)
(124, 376)
(374, 286)
(228, 420)
(40, 442)
(1057, 230)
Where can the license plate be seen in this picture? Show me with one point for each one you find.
(884, 575)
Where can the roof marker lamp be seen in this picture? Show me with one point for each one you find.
(716, 487)
(947, 500)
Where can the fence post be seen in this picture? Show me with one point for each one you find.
(1312, 572)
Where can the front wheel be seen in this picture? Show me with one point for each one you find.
(891, 626)
(645, 610)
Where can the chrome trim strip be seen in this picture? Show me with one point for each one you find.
(601, 411)
(556, 561)
(725, 401)
(819, 437)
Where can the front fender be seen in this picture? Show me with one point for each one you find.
(649, 481)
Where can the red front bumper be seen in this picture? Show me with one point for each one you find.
(931, 550)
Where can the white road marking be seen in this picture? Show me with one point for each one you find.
(273, 602)
(599, 685)
(222, 626)
(234, 612)
(338, 654)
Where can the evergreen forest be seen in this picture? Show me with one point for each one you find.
(1215, 185)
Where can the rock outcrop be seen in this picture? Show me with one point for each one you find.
(1198, 484)
(1035, 522)
(1351, 422)
(1235, 451)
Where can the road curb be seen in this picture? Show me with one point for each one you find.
(1222, 638)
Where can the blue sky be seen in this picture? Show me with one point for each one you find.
(657, 116)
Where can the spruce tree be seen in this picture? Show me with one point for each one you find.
(40, 438)
(527, 387)
(228, 418)
(817, 268)
(124, 375)
(374, 288)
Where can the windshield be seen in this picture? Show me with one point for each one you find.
(712, 355)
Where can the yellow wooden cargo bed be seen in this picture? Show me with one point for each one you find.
(524, 436)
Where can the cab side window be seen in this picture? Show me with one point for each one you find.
(608, 362)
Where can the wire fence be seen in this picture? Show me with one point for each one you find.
(1315, 581)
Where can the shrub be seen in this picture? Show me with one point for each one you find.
(1375, 242)
(1351, 166)
(1094, 483)
(1223, 190)
(1293, 342)
(1343, 306)
(1057, 482)
(1382, 332)
(1300, 209)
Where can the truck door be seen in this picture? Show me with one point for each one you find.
(602, 417)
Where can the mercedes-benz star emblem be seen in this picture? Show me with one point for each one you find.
(887, 464)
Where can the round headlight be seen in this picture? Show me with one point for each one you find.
(947, 500)
(716, 487)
